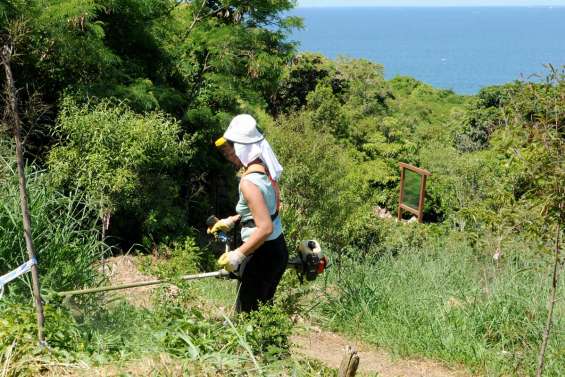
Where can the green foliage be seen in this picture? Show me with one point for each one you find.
(341, 152)
(50, 40)
(118, 334)
(300, 78)
(267, 330)
(196, 61)
(515, 186)
(366, 91)
(224, 50)
(183, 257)
(357, 82)
(65, 241)
(484, 116)
(538, 114)
(122, 161)
(326, 112)
(262, 334)
(316, 197)
(20, 355)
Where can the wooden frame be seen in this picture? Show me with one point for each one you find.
(424, 174)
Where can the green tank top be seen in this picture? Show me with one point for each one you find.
(264, 184)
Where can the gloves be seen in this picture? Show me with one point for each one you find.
(223, 225)
(230, 260)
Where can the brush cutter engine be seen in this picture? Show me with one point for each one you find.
(310, 261)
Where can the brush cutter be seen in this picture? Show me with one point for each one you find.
(309, 263)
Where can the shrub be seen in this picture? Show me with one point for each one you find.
(317, 197)
(123, 162)
(20, 354)
(267, 330)
(183, 257)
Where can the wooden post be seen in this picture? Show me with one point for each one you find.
(551, 302)
(401, 197)
(106, 215)
(12, 108)
(349, 363)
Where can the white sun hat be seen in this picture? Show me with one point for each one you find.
(243, 130)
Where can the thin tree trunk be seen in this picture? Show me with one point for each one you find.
(105, 226)
(550, 304)
(12, 106)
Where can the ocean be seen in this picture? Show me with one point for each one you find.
(459, 48)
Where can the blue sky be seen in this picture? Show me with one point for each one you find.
(322, 3)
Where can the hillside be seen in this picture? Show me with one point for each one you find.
(120, 103)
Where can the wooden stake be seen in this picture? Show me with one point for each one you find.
(349, 363)
(550, 303)
(12, 108)
(401, 196)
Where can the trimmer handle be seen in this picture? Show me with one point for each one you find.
(222, 236)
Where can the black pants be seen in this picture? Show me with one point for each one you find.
(262, 275)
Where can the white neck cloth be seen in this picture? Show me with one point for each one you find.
(248, 153)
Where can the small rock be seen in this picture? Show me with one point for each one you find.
(382, 213)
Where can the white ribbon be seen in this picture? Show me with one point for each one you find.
(23, 269)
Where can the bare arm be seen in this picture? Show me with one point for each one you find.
(261, 217)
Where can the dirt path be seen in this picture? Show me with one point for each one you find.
(328, 348)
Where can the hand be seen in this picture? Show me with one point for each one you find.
(231, 260)
(224, 225)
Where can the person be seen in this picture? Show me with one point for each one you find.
(262, 258)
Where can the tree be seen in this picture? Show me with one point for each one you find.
(196, 61)
(11, 117)
(366, 92)
(538, 113)
(300, 78)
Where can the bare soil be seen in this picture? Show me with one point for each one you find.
(123, 270)
(329, 347)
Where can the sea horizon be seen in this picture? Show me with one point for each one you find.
(462, 48)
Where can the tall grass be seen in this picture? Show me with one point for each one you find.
(445, 301)
(63, 231)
